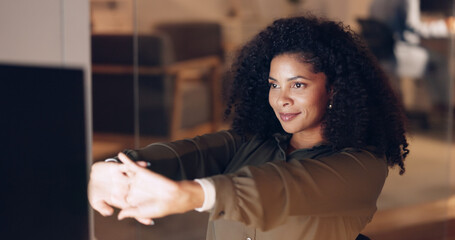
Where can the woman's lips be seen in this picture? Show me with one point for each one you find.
(288, 116)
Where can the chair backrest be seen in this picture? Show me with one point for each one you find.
(113, 83)
(190, 40)
(118, 49)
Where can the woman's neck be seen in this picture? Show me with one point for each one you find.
(303, 140)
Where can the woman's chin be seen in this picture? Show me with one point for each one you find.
(289, 130)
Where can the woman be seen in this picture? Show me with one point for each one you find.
(315, 127)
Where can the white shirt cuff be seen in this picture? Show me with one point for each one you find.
(209, 194)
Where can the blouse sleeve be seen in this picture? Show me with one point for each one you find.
(198, 157)
(347, 183)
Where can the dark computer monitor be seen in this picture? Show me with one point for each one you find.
(43, 175)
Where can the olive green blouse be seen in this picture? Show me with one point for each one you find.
(261, 193)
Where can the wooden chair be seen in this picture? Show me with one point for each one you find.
(175, 94)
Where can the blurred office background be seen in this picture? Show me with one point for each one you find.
(156, 71)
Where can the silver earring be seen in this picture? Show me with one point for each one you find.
(330, 106)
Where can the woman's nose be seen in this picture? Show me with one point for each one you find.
(284, 99)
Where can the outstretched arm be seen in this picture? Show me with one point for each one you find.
(186, 159)
(198, 157)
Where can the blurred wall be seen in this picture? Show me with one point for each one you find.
(241, 19)
(45, 32)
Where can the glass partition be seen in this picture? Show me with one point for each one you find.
(113, 94)
(165, 79)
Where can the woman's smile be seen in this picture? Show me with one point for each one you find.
(288, 116)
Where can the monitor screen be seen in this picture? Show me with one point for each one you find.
(43, 162)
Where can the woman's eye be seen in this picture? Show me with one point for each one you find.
(299, 85)
(273, 85)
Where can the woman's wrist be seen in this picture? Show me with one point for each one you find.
(192, 194)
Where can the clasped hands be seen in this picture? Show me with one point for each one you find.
(138, 192)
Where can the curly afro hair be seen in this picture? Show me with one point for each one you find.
(365, 111)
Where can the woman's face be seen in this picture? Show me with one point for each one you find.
(297, 95)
